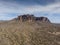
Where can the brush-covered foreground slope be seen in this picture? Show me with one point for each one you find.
(32, 33)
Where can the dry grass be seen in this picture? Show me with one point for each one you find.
(17, 33)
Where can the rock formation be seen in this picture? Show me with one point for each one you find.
(30, 18)
(26, 17)
(42, 19)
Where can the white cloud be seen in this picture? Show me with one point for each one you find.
(9, 8)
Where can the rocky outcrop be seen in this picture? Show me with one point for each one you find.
(26, 18)
(42, 19)
(31, 18)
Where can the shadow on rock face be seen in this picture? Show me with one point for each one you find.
(42, 19)
(30, 18)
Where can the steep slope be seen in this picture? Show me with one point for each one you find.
(28, 33)
(16, 33)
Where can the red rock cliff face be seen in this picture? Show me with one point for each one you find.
(26, 18)
(31, 18)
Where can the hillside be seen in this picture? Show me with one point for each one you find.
(15, 32)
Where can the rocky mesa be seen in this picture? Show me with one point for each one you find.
(31, 18)
(32, 32)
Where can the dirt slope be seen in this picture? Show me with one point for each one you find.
(32, 33)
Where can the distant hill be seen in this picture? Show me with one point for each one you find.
(56, 24)
(25, 31)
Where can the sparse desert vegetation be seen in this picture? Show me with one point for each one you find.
(28, 33)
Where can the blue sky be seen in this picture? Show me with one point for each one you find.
(10, 9)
